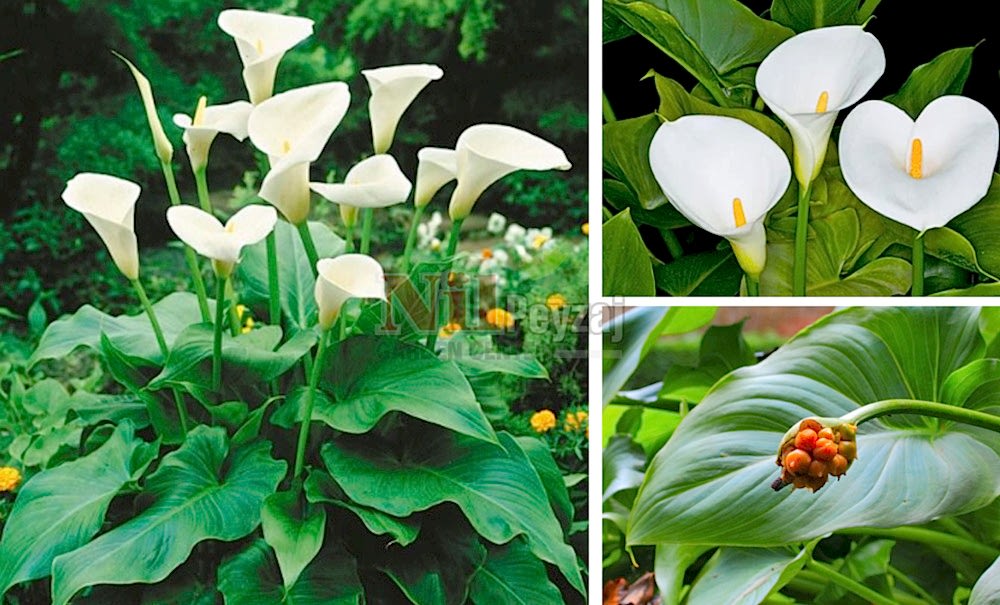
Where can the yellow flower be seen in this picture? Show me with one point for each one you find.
(576, 421)
(241, 310)
(543, 421)
(449, 330)
(500, 318)
(10, 478)
(555, 301)
(247, 326)
(585, 228)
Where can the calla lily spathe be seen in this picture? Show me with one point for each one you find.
(436, 167)
(344, 277)
(810, 77)
(262, 39)
(208, 121)
(486, 153)
(108, 204)
(724, 176)
(375, 182)
(393, 89)
(920, 173)
(292, 128)
(221, 243)
(164, 149)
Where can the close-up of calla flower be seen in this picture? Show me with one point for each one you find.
(486, 153)
(393, 88)
(920, 173)
(344, 277)
(164, 149)
(221, 243)
(208, 121)
(810, 77)
(292, 128)
(724, 176)
(375, 182)
(108, 204)
(262, 39)
(435, 168)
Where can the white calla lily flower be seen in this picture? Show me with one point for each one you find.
(164, 149)
(807, 79)
(436, 167)
(221, 243)
(393, 89)
(724, 176)
(920, 173)
(375, 182)
(486, 153)
(292, 128)
(108, 204)
(208, 121)
(344, 277)
(262, 39)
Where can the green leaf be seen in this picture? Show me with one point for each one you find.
(944, 75)
(94, 409)
(294, 530)
(623, 466)
(132, 334)
(716, 468)
(703, 274)
(802, 15)
(253, 576)
(867, 564)
(981, 226)
(60, 509)
(620, 198)
(960, 386)
(654, 426)
(722, 350)
(496, 487)
(987, 588)
(669, 565)
(202, 491)
(628, 268)
(626, 156)
(320, 487)
(512, 575)
(746, 576)
(541, 459)
(626, 340)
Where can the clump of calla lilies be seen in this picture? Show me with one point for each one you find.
(291, 129)
(724, 175)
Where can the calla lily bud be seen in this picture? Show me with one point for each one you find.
(920, 173)
(108, 204)
(393, 89)
(208, 121)
(814, 450)
(221, 243)
(485, 153)
(262, 39)
(164, 150)
(348, 214)
(375, 182)
(436, 168)
(724, 176)
(810, 77)
(344, 277)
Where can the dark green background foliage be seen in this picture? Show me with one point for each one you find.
(70, 106)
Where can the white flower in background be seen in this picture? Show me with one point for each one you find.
(435, 222)
(262, 39)
(375, 182)
(292, 128)
(810, 77)
(393, 89)
(496, 223)
(920, 173)
(108, 204)
(435, 169)
(489, 152)
(164, 149)
(724, 176)
(538, 239)
(522, 253)
(494, 264)
(428, 231)
(345, 277)
(221, 243)
(208, 121)
(515, 234)
(435, 244)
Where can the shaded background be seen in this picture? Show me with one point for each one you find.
(69, 106)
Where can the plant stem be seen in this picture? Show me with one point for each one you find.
(849, 584)
(368, 221)
(918, 265)
(189, 256)
(164, 351)
(753, 285)
(309, 245)
(317, 369)
(411, 238)
(910, 585)
(274, 294)
(801, 237)
(606, 110)
(923, 408)
(867, 9)
(201, 182)
(453, 236)
(673, 244)
(234, 316)
(349, 238)
(927, 536)
(220, 306)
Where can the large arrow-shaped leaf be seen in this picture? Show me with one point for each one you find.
(511, 574)
(710, 483)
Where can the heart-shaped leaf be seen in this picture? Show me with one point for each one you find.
(628, 268)
(294, 530)
(511, 574)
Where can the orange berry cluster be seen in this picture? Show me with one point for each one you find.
(815, 452)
